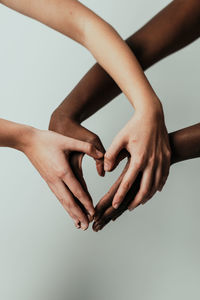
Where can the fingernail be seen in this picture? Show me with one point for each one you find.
(103, 173)
(116, 205)
(97, 228)
(106, 167)
(101, 226)
(90, 218)
(99, 153)
(131, 208)
(84, 226)
(96, 218)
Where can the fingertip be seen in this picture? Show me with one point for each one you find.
(77, 224)
(108, 162)
(106, 167)
(98, 153)
(84, 226)
(94, 227)
(90, 218)
(115, 205)
(100, 168)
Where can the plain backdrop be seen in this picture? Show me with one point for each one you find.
(151, 253)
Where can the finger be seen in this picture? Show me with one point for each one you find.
(66, 199)
(123, 154)
(99, 162)
(106, 219)
(117, 215)
(75, 159)
(106, 201)
(112, 213)
(77, 190)
(156, 183)
(100, 167)
(126, 183)
(165, 170)
(80, 146)
(112, 153)
(145, 187)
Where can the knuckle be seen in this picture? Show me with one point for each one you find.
(152, 159)
(126, 185)
(90, 147)
(108, 156)
(138, 163)
(79, 194)
(51, 180)
(145, 192)
(61, 173)
(160, 157)
(69, 205)
(139, 160)
(168, 154)
(94, 139)
(62, 201)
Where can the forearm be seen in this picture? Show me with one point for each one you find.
(14, 135)
(185, 143)
(78, 22)
(154, 41)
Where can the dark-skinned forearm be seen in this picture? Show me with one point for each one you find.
(174, 27)
(185, 143)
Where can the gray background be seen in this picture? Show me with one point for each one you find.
(151, 253)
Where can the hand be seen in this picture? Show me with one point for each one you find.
(146, 139)
(49, 152)
(69, 127)
(104, 211)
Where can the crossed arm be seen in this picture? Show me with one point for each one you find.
(76, 21)
(97, 88)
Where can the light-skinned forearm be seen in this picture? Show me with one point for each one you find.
(78, 22)
(154, 41)
(14, 135)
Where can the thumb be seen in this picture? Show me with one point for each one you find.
(110, 158)
(85, 147)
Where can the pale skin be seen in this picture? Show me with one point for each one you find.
(49, 152)
(76, 21)
(185, 144)
(96, 89)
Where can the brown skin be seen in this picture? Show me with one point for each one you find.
(97, 88)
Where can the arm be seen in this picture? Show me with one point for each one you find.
(81, 24)
(76, 21)
(49, 153)
(185, 144)
(149, 44)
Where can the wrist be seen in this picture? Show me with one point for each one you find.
(24, 137)
(152, 111)
(61, 122)
(63, 112)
